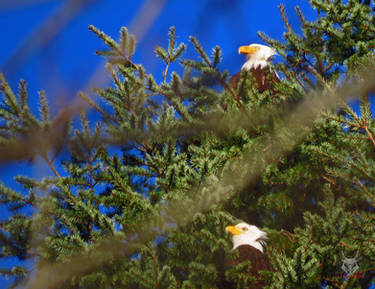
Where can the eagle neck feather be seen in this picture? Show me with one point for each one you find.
(254, 64)
(239, 240)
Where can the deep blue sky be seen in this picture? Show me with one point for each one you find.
(66, 62)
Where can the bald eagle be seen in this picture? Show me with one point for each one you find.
(258, 58)
(249, 241)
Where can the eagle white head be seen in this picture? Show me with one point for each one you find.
(258, 55)
(245, 234)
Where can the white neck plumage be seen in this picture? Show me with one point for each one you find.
(244, 239)
(253, 63)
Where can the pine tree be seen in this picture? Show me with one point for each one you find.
(141, 198)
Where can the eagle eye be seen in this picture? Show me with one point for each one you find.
(244, 229)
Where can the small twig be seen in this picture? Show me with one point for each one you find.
(295, 78)
(345, 245)
(370, 135)
(343, 121)
(91, 103)
(131, 62)
(282, 11)
(153, 94)
(300, 15)
(155, 263)
(166, 69)
(230, 89)
(332, 182)
(91, 172)
(52, 167)
(333, 282)
(369, 195)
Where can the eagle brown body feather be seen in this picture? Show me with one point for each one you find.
(259, 261)
(262, 79)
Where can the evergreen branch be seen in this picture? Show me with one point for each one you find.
(300, 15)
(200, 50)
(178, 51)
(341, 120)
(232, 92)
(216, 56)
(166, 69)
(22, 92)
(131, 48)
(107, 39)
(369, 135)
(96, 107)
(352, 113)
(114, 76)
(172, 40)
(44, 107)
(282, 11)
(10, 98)
(51, 166)
(364, 189)
(119, 49)
(161, 53)
(343, 161)
(155, 264)
(124, 35)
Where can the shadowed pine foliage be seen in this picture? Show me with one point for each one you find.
(141, 198)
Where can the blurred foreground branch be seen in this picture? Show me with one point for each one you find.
(44, 34)
(7, 5)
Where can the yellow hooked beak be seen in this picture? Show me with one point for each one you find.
(248, 49)
(233, 230)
